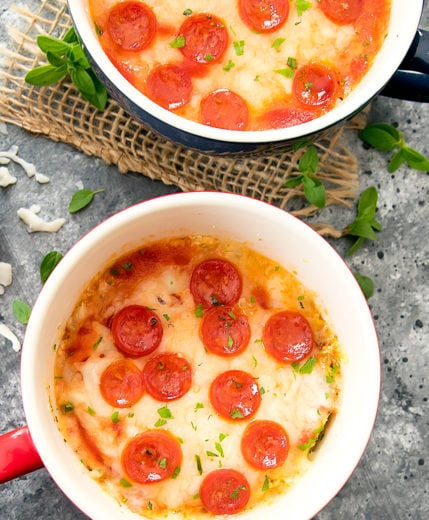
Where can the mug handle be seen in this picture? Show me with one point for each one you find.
(411, 81)
(18, 455)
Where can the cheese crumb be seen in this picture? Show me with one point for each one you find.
(8, 334)
(35, 223)
(5, 276)
(29, 168)
(6, 179)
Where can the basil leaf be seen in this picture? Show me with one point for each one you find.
(381, 136)
(99, 98)
(55, 60)
(294, 181)
(21, 311)
(78, 57)
(70, 36)
(309, 161)
(357, 245)
(81, 199)
(48, 264)
(45, 75)
(82, 80)
(361, 228)
(367, 204)
(50, 44)
(396, 161)
(314, 191)
(415, 159)
(366, 284)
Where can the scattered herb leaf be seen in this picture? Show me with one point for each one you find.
(364, 226)
(48, 264)
(66, 57)
(366, 284)
(387, 138)
(81, 199)
(21, 311)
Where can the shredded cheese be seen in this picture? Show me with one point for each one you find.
(5, 276)
(6, 178)
(8, 334)
(35, 223)
(29, 168)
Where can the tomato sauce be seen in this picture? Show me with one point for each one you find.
(195, 375)
(245, 65)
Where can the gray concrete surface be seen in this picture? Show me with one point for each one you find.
(391, 481)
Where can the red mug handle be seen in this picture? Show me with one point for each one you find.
(18, 455)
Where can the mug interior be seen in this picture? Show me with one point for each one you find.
(404, 22)
(268, 230)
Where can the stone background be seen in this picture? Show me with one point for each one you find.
(391, 481)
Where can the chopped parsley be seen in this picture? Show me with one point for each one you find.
(199, 310)
(165, 412)
(125, 483)
(234, 494)
(239, 47)
(178, 42)
(199, 466)
(277, 43)
(229, 66)
(236, 414)
(266, 484)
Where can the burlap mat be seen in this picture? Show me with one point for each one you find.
(60, 113)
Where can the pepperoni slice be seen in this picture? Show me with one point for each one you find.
(314, 85)
(136, 330)
(342, 13)
(287, 336)
(285, 117)
(121, 384)
(132, 25)
(224, 109)
(264, 15)
(151, 456)
(167, 376)
(225, 331)
(215, 282)
(235, 395)
(169, 85)
(265, 444)
(206, 38)
(225, 492)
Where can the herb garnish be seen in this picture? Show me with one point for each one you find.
(386, 138)
(229, 65)
(238, 47)
(199, 310)
(81, 199)
(302, 6)
(66, 57)
(305, 368)
(366, 284)
(314, 190)
(364, 226)
(199, 466)
(21, 311)
(48, 264)
(178, 42)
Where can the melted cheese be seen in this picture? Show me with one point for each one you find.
(35, 223)
(300, 402)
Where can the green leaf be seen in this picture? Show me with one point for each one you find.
(367, 203)
(361, 228)
(309, 161)
(45, 75)
(55, 60)
(99, 98)
(48, 264)
(308, 366)
(81, 199)
(51, 44)
(70, 36)
(294, 181)
(314, 191)
(366, 284)
(21, 311)
(356, 246)
(78, 57)
(381, 136)
(396, 161)
(415, 159)
(82, 80)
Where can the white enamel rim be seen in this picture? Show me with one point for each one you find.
(267, 229)
(404, 23)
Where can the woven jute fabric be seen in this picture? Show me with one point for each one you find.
(60, 113)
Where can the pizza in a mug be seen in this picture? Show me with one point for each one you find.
(196, 376)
